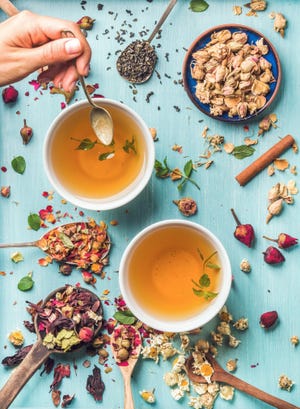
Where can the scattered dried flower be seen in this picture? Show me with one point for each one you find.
(279, 23)
(284, 240)
(245, 266)
(86, 23)
(94, 385)
(274, 209)
(268, 319)
(9, 94)
(243, 232)
(231, 365)
(285, 383)
(153, 133)
(16, 338)
(187, 206)
(241, 324)
(148, 396)
(228, 147)
(237, 10)
(294, 340)
(281, 164)
(26, 133)
(271, 170)
(257, 5)
(226, 392)
(273, 256)
(266, 123)
(16, 257)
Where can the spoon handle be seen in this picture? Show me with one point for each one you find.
(21, 375)
(255, 392)
(25, 244)
(162, 20)
(128, 399)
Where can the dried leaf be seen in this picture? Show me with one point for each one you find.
(281, 164)
(249, 141)
(228, 147)
(293, 170)
(271, 170)
(237, 10)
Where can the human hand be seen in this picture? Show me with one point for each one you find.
(29, 41)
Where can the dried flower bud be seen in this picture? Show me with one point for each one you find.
(26, 133)
(153, 133)
(5, 191)
(88, 277)
(187, 206)
(285, 383)
(294, 340)
(273, 256)
(268, 319)
(274, 209)
(86, 23)
(9, 94)
(231, 365)
(245, 266)
(257, 5)
(243, 232)
(284, 240)
(86, 334)
(123, 354)
(279, 24)
(65, 269)
(148, 396)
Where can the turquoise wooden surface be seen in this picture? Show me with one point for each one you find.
(263, 355)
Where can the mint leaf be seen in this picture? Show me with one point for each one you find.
(106, 155)
(86, 144)
(188, 167)
(204, 281)
(34, 221)
(18, 164)
(26, 283)
(213, 266)
(198, 5)
(198, 293)
(209, 295)
(125, 317)
(129, 145)
(243, 151)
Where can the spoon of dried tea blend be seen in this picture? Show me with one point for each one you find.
(137, 62)
(69, 318)
(126, 346)
(81, 244)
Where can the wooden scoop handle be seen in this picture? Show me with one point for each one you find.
(128, 399)
(21, 375)
(255, 392)
(25, 244)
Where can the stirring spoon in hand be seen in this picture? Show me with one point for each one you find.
(220, 375)
(137, 62)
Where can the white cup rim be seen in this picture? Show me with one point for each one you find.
(129, 193)
(180, 325)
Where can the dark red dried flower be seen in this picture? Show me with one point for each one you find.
(17, 358)
(94, 384)
(60, 371)
(284, 240)
(273, 256)
(9, 94)
(187, 206)
(243, 232)
(67, 400)
(268, 319)
(86, 23)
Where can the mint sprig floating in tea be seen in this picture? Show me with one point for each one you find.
(203, 283)
(163, 170)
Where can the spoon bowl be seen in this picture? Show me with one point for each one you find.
(39, 352)
(220, 375)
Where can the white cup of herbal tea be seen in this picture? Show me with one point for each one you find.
(89, 174)
(175, 275)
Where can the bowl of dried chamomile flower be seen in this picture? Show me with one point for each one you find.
(231, 73)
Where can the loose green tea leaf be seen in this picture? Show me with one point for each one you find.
(209, 295)
(200, 254)
(188, 168)
(34, 221)
(213, 266)
(125, 317)
(66, 240)
(86, 144)
(129, 145)
(26, 283)
(243, 151)
(204, 281)
(18, 164)
(106, 155)
(198, 5)
(162, 170)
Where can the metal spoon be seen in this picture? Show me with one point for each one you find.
(137, 62)
(220, 375)
(39, 353)
(127, 369)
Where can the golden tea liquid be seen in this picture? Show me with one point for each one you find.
(163, 268)
(81, 171)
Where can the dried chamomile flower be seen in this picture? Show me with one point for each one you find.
(202, 346)
(226, 392)
(150, 352)
(279, 23)
(233, 342)
(16, 338)
(257, 5)
(213, 388)
(148, 396)
(225, 315)
(200, 388)
(231, 365)
(224, 328)
(178, 363)
(237, 10)
(241, 324)
(245, 266)
(216, 338)
(177, 393)
(185, 342)
(207, 400)
(285, 383)
(294, 340)
(171, 378)
(183, 382)
(167, 350)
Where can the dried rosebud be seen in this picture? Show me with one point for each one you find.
(86, 23)
(186, 206)
(5, 191)
(86, 334)
(88, 277)
(26, 133)
(273, 256)
(284, 240)
(9, 94)
(243, 232)
(268, 319)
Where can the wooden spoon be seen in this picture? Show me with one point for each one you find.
(220, 375)
(126, 366)
(69, 247)
(39, 353)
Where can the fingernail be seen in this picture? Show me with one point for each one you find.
(86, 70)
(72, 46)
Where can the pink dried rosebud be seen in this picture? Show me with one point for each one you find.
(9, 94)
(5, 191)
(86, 334)
(187, 206)
(273, 256)
(86, 23)
(243, 232)
(268, 319)
(284, 240)
(88, 277)
(26, 133)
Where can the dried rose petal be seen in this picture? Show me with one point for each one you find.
(268, 319)
(9, 94)
(94, 384)
(273, 256)
(60, 371)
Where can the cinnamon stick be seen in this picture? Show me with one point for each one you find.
(264, 160)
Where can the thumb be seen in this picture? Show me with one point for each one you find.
(63, 49)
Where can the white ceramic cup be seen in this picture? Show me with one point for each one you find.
(155, 320)
(117, 199)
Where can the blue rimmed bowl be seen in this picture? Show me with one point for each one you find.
(201, 41)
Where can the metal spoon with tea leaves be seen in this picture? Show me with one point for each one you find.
(137, 62)
(100, 118)
(57, 332)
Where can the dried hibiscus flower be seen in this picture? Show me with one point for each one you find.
(243, 232)
(273, 256)
(94, 384)
(17, 358)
